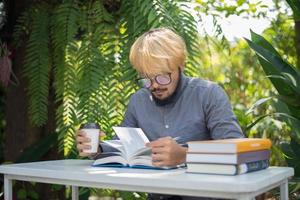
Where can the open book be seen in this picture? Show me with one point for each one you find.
(132, 150)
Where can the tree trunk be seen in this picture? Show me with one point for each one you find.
(19, 131)
(297, 41)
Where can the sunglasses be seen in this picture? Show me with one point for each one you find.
(161, 79)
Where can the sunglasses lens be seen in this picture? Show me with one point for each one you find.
(163, 79)
(144, 82)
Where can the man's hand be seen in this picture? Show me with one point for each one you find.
(166, 152)
(83, 143)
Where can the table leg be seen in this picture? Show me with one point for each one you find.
(7, 188)
(284, 191)
(75, 193)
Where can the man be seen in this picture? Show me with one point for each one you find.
(171, 105)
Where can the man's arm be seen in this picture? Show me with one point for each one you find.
(220, 119)
(130, 115)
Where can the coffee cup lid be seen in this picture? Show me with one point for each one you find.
(90, 126)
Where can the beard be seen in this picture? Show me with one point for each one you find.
(164, 101)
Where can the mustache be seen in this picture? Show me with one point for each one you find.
(158, 90)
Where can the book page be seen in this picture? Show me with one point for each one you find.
(110, 159)
(141, 161)
(133, 139)
(146, 151)
(117, 144)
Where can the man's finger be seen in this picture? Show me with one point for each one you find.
(165, 138)
(158, 163)
(83, 140)
(84, 154)
(158, 150)
(80, 133)
(102, 134)
(158, 157)
(82, 147)
(156, 143)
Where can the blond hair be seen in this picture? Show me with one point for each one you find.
(158, 51)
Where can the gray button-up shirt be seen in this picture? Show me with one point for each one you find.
(200, 110)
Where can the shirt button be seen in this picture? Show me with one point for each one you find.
(167, 126)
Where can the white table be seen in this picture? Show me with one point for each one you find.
(78, 173)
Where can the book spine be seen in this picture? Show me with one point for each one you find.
(235, 158)
(251, 156)
(252, 166)
(212, 158)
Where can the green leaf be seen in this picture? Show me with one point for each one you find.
(261, 41)
(257, 104)
(37, 66)
(285, 78)
(295, 5)
(291, 157)
(274, 65)
(281, 107)
(56, 187)
(289, 80)
(279, 65)
(295, 145)
(21, 194)
(291, 100)
(256, 121)
(266, 51)
(240, 2)
(151, 16)
(33, 194)
(291, 121)
(292, 82)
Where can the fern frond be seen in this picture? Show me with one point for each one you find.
(67, 115)
(37, 66)
(64, 27)
(22, 27)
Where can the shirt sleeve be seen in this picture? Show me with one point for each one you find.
(130, 115)
(220, 119)
(128, 121)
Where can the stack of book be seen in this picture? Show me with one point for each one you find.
(228, 156)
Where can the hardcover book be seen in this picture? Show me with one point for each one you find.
(132, 150)
(229, 145)
(225, 169)
(228, 158)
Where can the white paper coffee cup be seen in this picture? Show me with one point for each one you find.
(93, 134)
(92, 131)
